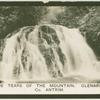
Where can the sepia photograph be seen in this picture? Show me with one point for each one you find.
(57, 44)
(50, 43)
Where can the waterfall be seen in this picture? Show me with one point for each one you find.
(46, 52)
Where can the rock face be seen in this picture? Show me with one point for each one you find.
(46, 52)
(51, 51)
(2, 45)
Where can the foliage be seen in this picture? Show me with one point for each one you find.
(86, 18)
(14, 17)
(90, 27)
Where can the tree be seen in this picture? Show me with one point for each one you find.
(14, 17)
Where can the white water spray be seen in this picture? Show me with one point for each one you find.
(47, 52)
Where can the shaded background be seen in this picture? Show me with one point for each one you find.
(86, 18)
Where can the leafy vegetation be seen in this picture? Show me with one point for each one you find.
(14, 17)
(86, 18)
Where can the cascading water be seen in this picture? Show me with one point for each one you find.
(46, 52)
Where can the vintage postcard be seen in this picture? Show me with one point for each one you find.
(50, 48)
